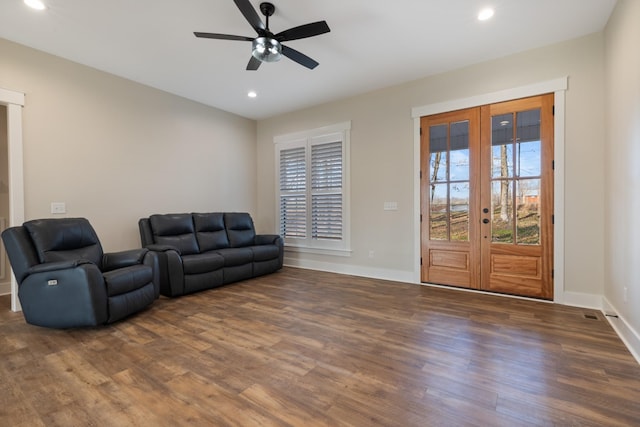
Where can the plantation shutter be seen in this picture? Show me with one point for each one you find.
(312, 190)
(293, 192)
(326, 191)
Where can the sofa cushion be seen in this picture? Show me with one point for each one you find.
(236, 256)
(202, 263)
(175, 230)
(65, 239)
(210, 231)
(265, 252)
(200, 282)
(239, 229)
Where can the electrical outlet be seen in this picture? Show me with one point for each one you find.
(371, 253)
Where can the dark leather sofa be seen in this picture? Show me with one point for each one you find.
(65, 279)
(198, 251)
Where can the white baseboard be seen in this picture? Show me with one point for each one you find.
(353, 270)
(579, 299)
(5, 288)
(629, 336)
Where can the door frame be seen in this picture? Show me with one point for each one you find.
(558, 87)
(14, 102)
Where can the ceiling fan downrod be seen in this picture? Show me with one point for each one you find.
(267, 10)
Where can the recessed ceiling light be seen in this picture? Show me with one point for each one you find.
(252, 94)
(35, 4)
(485, 14)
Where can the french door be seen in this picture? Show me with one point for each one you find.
(487, 197)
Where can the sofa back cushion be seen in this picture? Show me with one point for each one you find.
(239, 229)
(64, 239)
(210, 231)
(175, 230)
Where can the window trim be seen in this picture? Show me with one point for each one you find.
(307, 138)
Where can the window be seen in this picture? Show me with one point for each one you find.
(312, 189)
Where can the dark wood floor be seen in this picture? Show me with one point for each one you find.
(306, 348)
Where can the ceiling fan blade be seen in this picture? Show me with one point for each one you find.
(251, 15)
(222, 36)
(298, 57)
(253, 64)
(303, 31)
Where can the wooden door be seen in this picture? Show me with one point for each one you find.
(487, 197)
(451, 198)
(517, 197)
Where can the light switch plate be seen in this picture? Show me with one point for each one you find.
(58, 207)
(390, 206)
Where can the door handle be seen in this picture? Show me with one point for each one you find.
(485, 221)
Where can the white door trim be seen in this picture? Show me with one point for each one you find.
(558, 87)
(14, 102)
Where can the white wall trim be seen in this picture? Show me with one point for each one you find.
(558, 87)
(629, 336)
(558, 195)
(549, 86)
(579, 299)
(11, 97)
(353, 270)
(324, 130)
(14, 102)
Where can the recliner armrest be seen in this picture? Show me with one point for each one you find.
(64, 294)
(55, 266)
(115, 260)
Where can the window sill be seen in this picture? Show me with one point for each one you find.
(318, 251)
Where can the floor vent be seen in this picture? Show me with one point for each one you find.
(591, 316)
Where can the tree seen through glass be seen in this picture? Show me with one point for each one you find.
(516, 168)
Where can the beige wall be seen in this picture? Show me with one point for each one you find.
(382, 158)
(115, 151)
(622, 202)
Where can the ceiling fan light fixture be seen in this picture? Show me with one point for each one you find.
(266, 49)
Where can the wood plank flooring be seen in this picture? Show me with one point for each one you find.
(306, 348)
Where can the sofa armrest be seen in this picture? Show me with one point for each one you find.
(116, 260)
(267, 239)
(162, 248)
(272, 239)
(171, 271)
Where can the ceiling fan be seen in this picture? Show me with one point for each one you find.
(268, 47)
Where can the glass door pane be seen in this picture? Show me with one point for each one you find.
(449, 181)
(516, 167)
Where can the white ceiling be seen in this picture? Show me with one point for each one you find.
(372, 43)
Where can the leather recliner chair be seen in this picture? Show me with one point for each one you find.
(66, 280)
